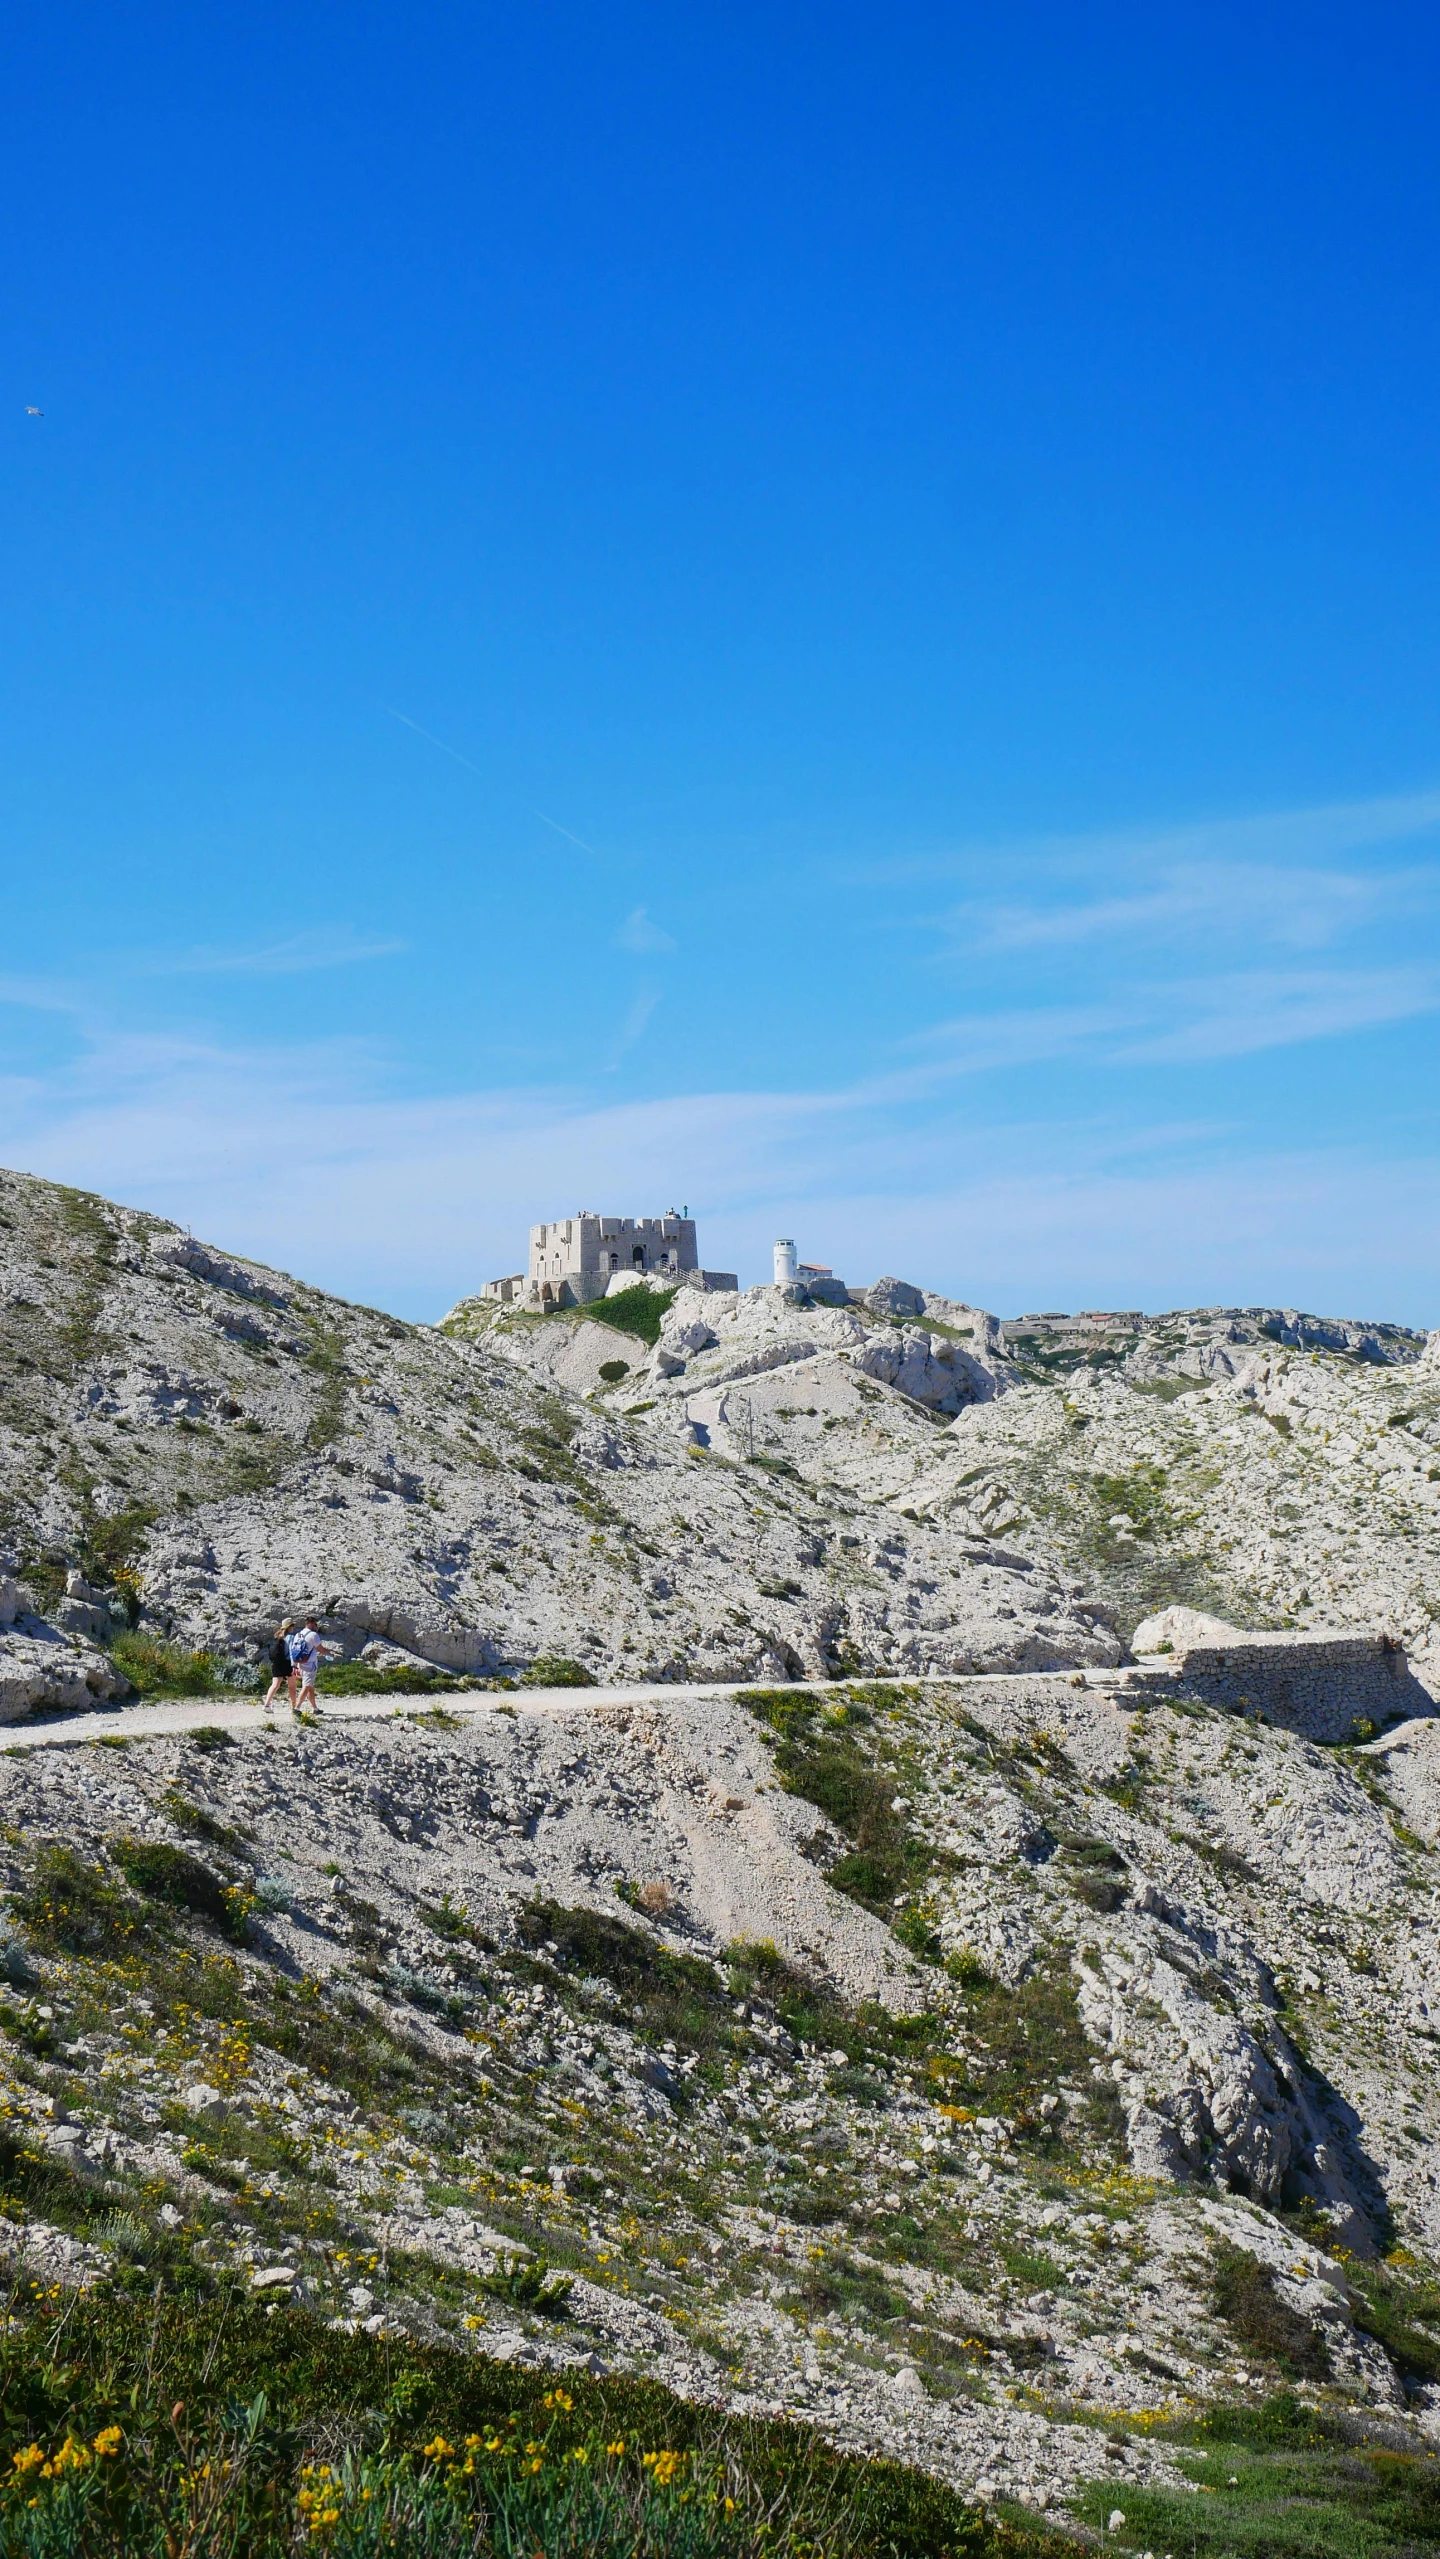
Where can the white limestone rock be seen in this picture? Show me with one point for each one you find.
(1170, 1630)
(40, 1666)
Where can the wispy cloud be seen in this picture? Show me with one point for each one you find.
(1182, 1020)
(634, 1026)
(88, 989)
(1283, 837)
(321, 947)
(1229, 903)
(640, 934)
(412, 1201)
(1237, 1015)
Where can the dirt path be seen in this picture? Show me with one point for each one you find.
(246, 1714)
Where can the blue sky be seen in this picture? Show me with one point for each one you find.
(827, 613)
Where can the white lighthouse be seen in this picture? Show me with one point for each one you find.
(786, 1265)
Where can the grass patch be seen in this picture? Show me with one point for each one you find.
(160, 1669)
(673, 1998)
(834, 2287)
(638, 1311)
(325, 1358)
(682, 1999)
(1280, 2481)
(197, 1823)
(1402, 2316)
(1020, 2041)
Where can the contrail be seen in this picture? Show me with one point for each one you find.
(565, 831)
(405, 719)
(407, 722)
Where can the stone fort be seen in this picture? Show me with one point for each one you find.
(576, 1259)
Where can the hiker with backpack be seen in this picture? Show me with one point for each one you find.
(306, 1653)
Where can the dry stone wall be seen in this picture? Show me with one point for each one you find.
(1327, 1687)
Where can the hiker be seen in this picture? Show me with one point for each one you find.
(305, 1653)
(280, 1664)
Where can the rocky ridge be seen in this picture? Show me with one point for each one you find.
(240, 1446)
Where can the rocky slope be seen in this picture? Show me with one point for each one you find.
(1098, 2086)
(996, 2058)
(1276, 1468)
(243, 1446)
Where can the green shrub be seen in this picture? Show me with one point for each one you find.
(1101, 1869)
(556, 1670)
(916, 1929)
(72, 1908)
(817, 1756)
(528, 2283)
(965, 1967)
(173, 1876)
(362, 1679)
(160, 1669)
(612, 1370)
(1245, 2295)
(215, 2417)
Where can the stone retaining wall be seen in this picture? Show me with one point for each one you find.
(1318, 1685)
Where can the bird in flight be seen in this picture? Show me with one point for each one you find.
(34, 413)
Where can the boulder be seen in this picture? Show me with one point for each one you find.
(15, 1600)
(40, 1666)
(1176, 1629)
(893, 1297)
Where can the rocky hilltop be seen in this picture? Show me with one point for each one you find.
(907, 1992)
